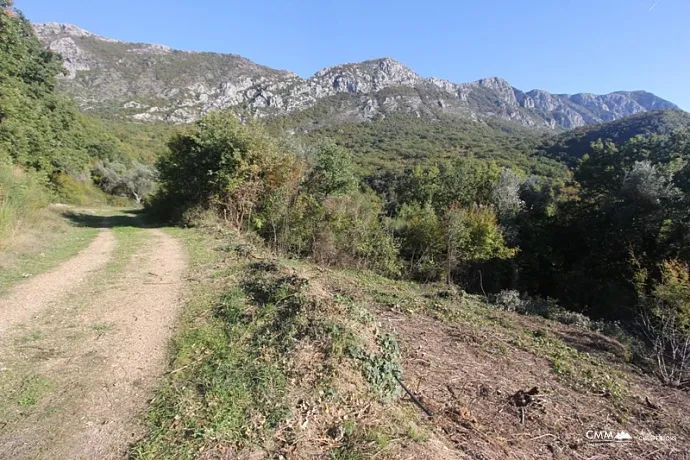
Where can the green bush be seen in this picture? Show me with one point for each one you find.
(665, 313)
(22, 195)
(351, 233)
(82, 193)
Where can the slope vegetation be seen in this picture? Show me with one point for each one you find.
(573, 145)
(283, 358)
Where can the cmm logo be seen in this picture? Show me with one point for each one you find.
(607, 437)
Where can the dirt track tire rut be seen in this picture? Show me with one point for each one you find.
(103, 383)
(34, 295)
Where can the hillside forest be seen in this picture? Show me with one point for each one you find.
(590, 226)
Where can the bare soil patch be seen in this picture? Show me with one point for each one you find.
(30, 297)
(468, 376)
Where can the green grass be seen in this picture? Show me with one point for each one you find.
(417, 433)
(225, 386)
(129, 241)
(103, 327)
(581, 371)
(236, 356)
(32, 389)
(46, 252)
(23, 195)
(30, 336)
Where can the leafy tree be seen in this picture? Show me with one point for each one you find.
(224, 164)
(419, 186)
(665, 315)
(116, 179)
(466, 182)
(646, 185)
(140, 181)
(627, 199)
(333, 171)
(471, 235)
(506, 194)
(420, 232)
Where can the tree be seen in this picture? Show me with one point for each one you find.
(420, 232)
(418, 185)
(116, 179)
(665, 316)
(646, 185)
(629, 198)
(333, 171)
(506, 195)
(221, 163)
(109, 176)
(471, 235)
(139, 182)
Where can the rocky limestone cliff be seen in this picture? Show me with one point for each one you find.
(155, 83)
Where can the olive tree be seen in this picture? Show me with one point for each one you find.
(115, 178)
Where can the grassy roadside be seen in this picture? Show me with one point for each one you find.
(216, 383)
(42, 248)
(280, 358)
(267, 363)
(62, 234)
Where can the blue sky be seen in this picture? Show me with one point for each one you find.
(562, 46)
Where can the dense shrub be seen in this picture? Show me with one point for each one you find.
(22, 195)
(351, 234)
(665, 317)
(308, 206)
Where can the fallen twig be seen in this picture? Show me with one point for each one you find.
(180, 369)
(414, 398)
(543, 436)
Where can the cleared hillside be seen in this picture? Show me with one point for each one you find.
(277, 357)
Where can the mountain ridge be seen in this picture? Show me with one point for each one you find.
(149, 82)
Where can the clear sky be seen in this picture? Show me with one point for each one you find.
(562, 46)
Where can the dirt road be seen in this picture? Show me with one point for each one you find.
(37, 293)
(84, 346)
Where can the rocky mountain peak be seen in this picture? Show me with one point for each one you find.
(495, 83)
(367, 76)
(151, 82)
(53, 29)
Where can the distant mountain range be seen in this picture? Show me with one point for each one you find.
(155, 83)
